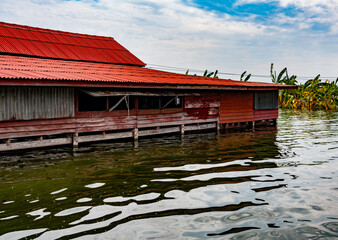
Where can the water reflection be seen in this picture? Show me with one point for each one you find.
(273, 183)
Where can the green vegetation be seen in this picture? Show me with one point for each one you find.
(206, 74)
(312, 95)
(246, 78)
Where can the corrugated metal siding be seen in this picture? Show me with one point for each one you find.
(27, 103)
(266, 100)
(236, 106)
(265, 114)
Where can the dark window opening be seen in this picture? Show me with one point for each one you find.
(149, 102)
(163, 102)
(121, 103)
(88, 103)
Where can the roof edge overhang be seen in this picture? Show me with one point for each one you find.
(84, 84)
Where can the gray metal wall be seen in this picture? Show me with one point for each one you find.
(26, 103)
(265, 100)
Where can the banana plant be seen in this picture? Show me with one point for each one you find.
(210, 74)
(246, 78)
(206, 74)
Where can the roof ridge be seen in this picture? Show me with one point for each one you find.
(48, 30)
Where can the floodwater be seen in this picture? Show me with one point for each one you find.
(275, 183)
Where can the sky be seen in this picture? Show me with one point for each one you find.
(231, 36)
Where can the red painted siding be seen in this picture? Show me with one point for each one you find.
(16, 129)
(202, 109)
(196, 110)
(265, 114)
(236, 106)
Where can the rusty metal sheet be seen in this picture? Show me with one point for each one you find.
(27, 103)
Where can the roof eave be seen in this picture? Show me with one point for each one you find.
(81, 83)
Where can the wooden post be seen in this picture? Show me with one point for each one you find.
(135, 134)
(75, 140)
(253, 126)
(182, 133)
(218, 128)
(182, 130)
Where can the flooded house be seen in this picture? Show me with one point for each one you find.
(63, 88)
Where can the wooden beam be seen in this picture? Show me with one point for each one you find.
(35, 144)
(107, 136)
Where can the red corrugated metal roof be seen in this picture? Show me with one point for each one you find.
(46, 43)
(18, 67)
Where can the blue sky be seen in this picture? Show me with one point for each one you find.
(232, 36)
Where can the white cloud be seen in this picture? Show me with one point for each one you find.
(312, 11)
(168, 32)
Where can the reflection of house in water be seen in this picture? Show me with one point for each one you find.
(62, 88)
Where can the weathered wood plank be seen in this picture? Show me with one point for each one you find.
(102, 137)
(103, 128)
(159, 116)
(159, 131)
(105, 119)
(205, 101)
(35, 144)
(159, 111)
(159, 121)
(160, 124)
(102, 114)
(40, 128)
(200, 127)
(197, 120)
(201, 112)
(36, 122)
(36, 133)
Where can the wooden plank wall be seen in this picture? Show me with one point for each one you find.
(105, 121)
(202, 109)
(160, 117)
(236, 106)
(30, 128)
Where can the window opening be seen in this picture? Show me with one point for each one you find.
(88, 103)
(149, 103)
(121, 103)
(171, 102)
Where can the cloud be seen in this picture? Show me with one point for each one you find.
(180, 33)
(308, 13)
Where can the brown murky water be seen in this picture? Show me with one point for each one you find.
(277, 183)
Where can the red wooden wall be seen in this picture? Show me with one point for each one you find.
(204, 108)
(225, 107)
(29, 128)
